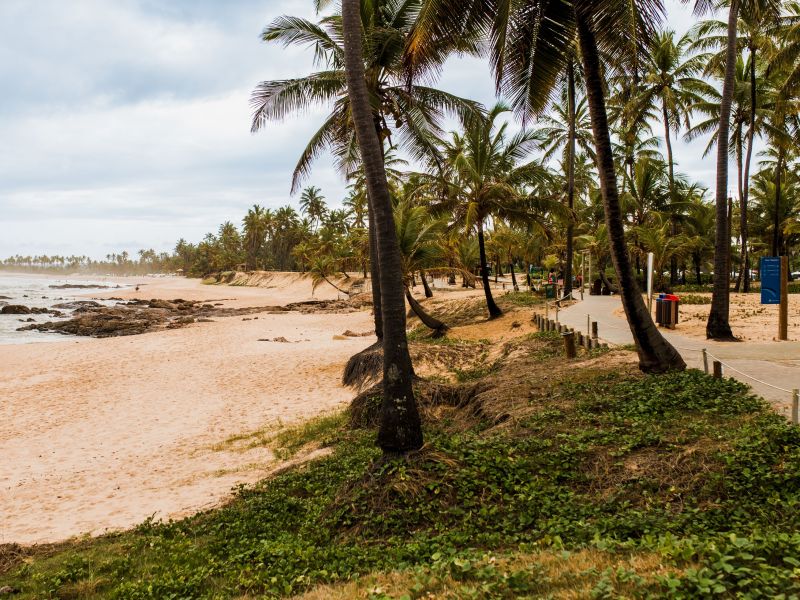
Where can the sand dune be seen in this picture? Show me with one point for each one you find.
(101, 434)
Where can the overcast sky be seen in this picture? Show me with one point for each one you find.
(126, 124)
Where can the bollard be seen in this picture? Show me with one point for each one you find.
(579, 338)
(594, 330)
(717, 370)
(569, 344)
(795, 406)
(705, 360)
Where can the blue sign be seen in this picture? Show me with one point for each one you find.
(770, 279)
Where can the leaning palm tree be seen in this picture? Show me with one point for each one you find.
(400, 429)
(403, 115)
(529, 43)
(418, 236)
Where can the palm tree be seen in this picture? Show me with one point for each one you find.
(718, 326)
(669, 79)
(566, 128)
(400, 428)
(483, 178)
(418, 236)
(530, 43)
(312, 204)
(408, 113)
(255, 230)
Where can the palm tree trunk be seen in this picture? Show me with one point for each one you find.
(428, 320)
(425, 286)
(400, 429)
(513, 276)
(739, 177)
(494, 310)
(656, 355)
(718, 326)
(776, 221)
(374, 273)
(745, 229)
(570, 175)
(673, 263)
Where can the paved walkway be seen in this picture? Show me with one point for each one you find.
(774, 363)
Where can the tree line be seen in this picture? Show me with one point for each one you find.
(622, 86)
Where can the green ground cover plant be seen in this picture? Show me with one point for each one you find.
(694, 475)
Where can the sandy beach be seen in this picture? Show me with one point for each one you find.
(100, 434)
(750, 320)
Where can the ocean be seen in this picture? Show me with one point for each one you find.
(36, 291)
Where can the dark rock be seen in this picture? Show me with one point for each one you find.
(155, 303)
(15, 309)
(78, 286)
(76, 304)
(5, 297)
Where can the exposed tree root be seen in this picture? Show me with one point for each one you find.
(365, 407)
(365, 367)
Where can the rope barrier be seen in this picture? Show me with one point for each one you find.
(734, 369)
(748, 376)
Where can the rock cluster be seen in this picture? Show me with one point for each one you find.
(137, 316)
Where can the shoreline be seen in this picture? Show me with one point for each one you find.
(100, 434)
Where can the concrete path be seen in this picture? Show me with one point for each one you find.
(773, 363)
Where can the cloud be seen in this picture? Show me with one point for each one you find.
(126, 124)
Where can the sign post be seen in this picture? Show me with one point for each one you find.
(650, 282)
(774, 289)
(783, 309)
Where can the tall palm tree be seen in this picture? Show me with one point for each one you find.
(718, 326)
(669, 80)
(483, 178)
(254, 227)
(567, 128)
(406, 115)
(400, 428)
(312, 205)
(529, 43)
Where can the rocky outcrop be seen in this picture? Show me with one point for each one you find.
(78, 304)
(15, 309)
(137, 316)
(80, 286)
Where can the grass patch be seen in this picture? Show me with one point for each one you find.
(519, 299)
(542, 479)
(694, 299)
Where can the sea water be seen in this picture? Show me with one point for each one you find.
(39, 292)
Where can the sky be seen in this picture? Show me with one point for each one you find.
(126, 124)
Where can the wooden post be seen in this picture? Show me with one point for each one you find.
(556, 303)
(588, 325)
(579, 338)
(705, 360)
(569, 344)
(594, 330)
(783, 309)
(795, 406)
(717, 370)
